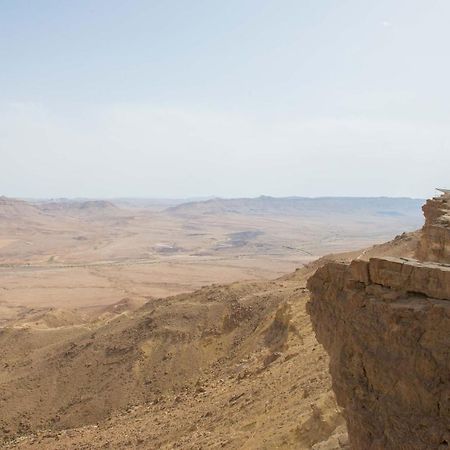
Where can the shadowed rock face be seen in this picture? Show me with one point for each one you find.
(386, 326)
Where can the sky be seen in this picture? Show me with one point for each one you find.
(236, 98)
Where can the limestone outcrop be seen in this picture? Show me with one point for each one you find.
(435, 242)
(386, 326)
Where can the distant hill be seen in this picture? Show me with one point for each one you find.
(15, 211)
(76, 205)
(264, 205)
(156, 204)
(10, 207)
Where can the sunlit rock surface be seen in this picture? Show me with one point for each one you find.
(386, 326)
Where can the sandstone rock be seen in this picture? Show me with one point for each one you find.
(430, 279)
(386, 326)
(435, 241)
(360, 270)
(389, 360)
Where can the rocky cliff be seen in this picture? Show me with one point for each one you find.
(386, 326)
(435, 242)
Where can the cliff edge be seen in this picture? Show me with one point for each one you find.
(386, 326)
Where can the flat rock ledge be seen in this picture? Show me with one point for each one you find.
(386, 326)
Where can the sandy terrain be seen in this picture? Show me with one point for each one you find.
(68, 254)
(97, 352)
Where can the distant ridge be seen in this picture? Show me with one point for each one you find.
(18, 212)
(84, 205)
(302, 206)
(11, 208)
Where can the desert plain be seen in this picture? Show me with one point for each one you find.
(87, 254)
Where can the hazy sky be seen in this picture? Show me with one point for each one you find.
(230, 98)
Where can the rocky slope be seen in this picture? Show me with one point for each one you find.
(233, 367)
(223, 367)
(386, 326)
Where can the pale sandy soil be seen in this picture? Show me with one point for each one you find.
(63, 256)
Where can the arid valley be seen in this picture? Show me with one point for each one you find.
(224, 225)
(84, 255)
(152, 324)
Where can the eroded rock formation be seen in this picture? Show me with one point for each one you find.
(435, 242)
(386, 326)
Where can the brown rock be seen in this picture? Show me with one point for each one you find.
(360, 271)
(430, 279)
(435, 241)
(389, 361)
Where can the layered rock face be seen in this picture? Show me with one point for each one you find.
(435, 242)
(386, 326)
